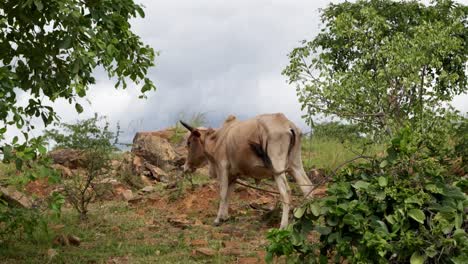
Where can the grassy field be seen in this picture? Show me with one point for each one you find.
(329, 153)
(146, 232)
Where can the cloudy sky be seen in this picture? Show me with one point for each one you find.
(217, 57)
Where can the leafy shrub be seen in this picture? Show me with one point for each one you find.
(96, 143)
(405, 207)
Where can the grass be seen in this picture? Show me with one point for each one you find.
(329, 153)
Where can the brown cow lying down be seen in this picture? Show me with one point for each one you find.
(266, 146)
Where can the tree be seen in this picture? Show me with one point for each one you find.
(381, 62)
(49, 49)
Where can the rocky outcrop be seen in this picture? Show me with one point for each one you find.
(154, 149)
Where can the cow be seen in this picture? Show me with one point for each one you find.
(266, 146)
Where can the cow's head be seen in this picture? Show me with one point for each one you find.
(196, 156)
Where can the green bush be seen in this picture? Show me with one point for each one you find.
(405, 207)
(97, 145)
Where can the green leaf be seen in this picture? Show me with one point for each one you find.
(383, 164)
(78, 108)
(417, 215)
(66, 43)
(140, 12)
(413, 200)
(42, 150)
(19, 163)
(383, 181)
(299, 212)
(361, 185)
(323, 230)
(315, 209)
(417, 258)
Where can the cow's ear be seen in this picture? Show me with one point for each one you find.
(196, 133)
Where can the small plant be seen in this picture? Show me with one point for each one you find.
(95, 145)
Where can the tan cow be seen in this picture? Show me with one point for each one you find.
(266, 146)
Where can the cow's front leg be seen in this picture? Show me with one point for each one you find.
(224, 191)
(284, 191)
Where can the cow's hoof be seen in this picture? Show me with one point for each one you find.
(218, 222)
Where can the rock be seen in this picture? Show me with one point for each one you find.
(51, 253)
(231, 244)
(135, 200)
(127, 195)
(148, 189)
(74, 240)
(179, 222)
(248, 260)
(61, 240)
(110, 189)
(111, 181)
(230, 251)
(146, 180)
(198, 223)
(171, 185)
(204, 252)
(137, 164)
(118, 260)
(198, 243)
(219, 236)
(153, 148)
(15, 198)
(70, 158)
(115, 164)
(182, 153)
(157, 172)
(64, 171)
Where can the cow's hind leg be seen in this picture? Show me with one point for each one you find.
(225, 189)
(284, 191)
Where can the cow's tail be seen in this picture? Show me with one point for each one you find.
(262, 152)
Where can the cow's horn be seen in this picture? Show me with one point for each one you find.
(186, 126)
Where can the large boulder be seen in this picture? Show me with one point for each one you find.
(154, 148)
(70, 158)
